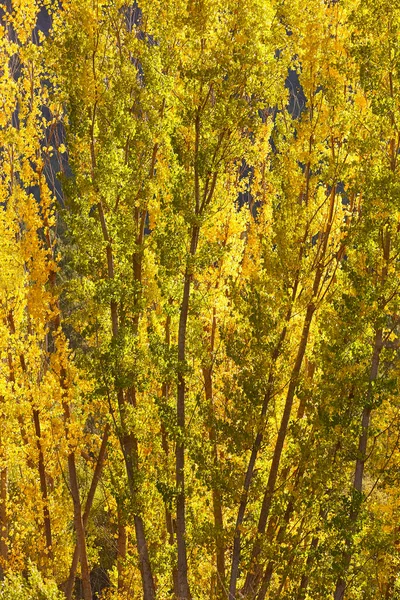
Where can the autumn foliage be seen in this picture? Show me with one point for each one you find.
(199, 299)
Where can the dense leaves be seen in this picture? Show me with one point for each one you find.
(199, 299)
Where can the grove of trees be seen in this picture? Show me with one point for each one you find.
(200, 299)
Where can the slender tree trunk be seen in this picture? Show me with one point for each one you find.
(43, 485)
(288, 567)
(253, 577)
(76, 499)
(247, 482)
(360, 462)
(184, 592)
(301, 593)
(366, 417)
(131, 445)
(20, 418)
(169, 522)
(121, 552)
(279, 538)
(393, 574)
(3, 521)
(305, 577)
(202, 200)
(41, 465)
(291, 504)
(73, 478)
(365, 422)
(88, 505)
(216, 494)
(129, 448)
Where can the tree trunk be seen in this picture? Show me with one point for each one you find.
(253, 577)
(43, 485)
(78, 521)
(365, 422)
(73, 478)
(121, 552)
(41, 464)
(301, 593)
(20, 418)
(129, 448)
(169, 523)
(247, 481)
(360, 462)
(216, 494)
(291, 504)
(88, 505)
(183, 585)
(3, 521)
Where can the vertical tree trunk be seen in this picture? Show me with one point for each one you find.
(88, 505)
(20, 418)
(43, 485)
(253, 577)
(73, 478)
(216, 494)
(78, 521)
(249, 475)
(365, 422)
(360, 462)
(129, 448)
(41, 464)
(291, 503)
(183, 585)
(165, 446)
(3, 521)
(279, 538)
(301, 593)
(121, 552)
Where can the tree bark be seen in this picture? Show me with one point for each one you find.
(301, 593)
(360, 462)
(291, 503)
(41, 465)
(3, 521)
(121, 552)
(78, 521)
(183, 585)
(216, 494)
(129, 448)
(169, 522)
(249, 474)
(43, 484)
(88, 505)
(365, 422)
(253, 577)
